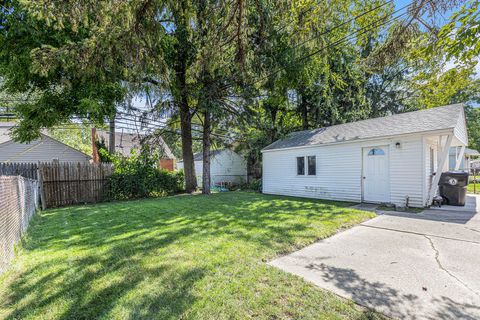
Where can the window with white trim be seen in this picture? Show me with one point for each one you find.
(376, 152)
(307, 166)
(312, 165)
(301, 166)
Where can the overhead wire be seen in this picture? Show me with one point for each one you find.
(155, 124)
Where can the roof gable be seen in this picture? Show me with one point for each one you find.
(43, 149)
(125, 142)
(6, 140)
(199, 155)
(438, 118)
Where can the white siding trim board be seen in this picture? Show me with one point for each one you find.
(460, 130)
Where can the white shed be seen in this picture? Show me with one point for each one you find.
(226, 166)
(44, 149)
(383, 160)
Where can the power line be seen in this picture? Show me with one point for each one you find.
(340, 41)
(155, 124)
(343, 24)
(128, 126)
(324, 32)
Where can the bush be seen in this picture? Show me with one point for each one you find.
(138, 177)
(254, 185)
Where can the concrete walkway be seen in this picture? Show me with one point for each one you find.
(405, 265)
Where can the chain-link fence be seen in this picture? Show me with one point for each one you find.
(18, 203)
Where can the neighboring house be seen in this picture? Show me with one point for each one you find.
(127, 143)
(466, 159)
(383, 160)
(475, 164)
(226, 167)
(44, 149)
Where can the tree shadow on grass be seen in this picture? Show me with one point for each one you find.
(92, 286)
(275, 217)
(118, 255)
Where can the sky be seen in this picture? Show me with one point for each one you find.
(401, 3)
(446, 15)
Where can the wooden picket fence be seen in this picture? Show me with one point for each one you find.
(26, 170)
(63, 184)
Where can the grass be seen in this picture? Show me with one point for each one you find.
(183, 257)
(470, 188)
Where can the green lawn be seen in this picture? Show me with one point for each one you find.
(471, 190)
(183, 257)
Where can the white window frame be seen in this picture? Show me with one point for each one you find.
(305, 166)
(296, 166)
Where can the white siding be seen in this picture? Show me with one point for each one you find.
(226, 166)
(339, 171)
(180, 165)
(407, 173)
(44, 149)
(460, 130)
(199, 171)
(228, 163)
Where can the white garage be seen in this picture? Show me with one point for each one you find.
(383, 160)
(226, 167)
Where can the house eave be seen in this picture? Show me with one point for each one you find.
(428, 132)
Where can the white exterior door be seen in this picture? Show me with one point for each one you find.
(376, 184)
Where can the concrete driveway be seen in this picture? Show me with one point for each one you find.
(404, 265)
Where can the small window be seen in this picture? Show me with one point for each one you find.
(300, 166)
(376, 152)
(312, 165)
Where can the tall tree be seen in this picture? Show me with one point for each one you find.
(51, 90)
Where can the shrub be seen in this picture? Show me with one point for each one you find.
(138, 177)
(254, 185)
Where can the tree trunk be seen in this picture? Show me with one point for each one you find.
(206, 153)
(187, 151)
(303, 107)
(111, 137)
(95, 156)
(181, 94)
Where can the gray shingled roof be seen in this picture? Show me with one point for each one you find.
(125, 142)
(471, 152)
(410, 122)
(199, 155)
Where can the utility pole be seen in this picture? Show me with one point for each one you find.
(95, 156)
(111, 138)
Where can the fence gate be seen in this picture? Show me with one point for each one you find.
(64, 184)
